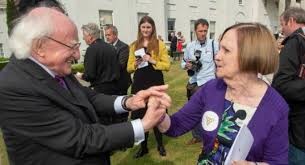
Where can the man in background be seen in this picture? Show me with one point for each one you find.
(122, 50)
(198, 60)
(289, 81)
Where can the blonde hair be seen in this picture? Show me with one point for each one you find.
(257, 48)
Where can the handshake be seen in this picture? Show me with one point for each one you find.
(156, 100)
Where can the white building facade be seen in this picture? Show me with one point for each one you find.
(169, 15)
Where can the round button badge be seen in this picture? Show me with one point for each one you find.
(209, 121)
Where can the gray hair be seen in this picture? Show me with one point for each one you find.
(92, 29)
(296, 13)
(113, 29)
(29, 28)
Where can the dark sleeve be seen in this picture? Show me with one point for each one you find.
(55, 127)
(111, 62)
(90, 64)
(123, 56)
(103, 104)
(286, 80)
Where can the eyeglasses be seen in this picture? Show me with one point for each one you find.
(73, 47)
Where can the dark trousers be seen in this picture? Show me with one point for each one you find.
(158, 135)
(190, 90)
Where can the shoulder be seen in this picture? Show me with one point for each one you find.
(275, 103)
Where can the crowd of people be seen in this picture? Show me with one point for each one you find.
(48, 117)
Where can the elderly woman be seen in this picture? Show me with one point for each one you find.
(238, 97)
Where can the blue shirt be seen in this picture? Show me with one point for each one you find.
(207, 71)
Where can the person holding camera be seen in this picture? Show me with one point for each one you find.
(198, 60)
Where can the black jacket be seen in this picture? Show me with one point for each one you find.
(291, 87)
(101, 64)
(44, 124)
(123, 53)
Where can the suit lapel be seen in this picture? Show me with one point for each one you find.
(51, 87)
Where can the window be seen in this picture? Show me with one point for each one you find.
(105, 19)
(240, 2)
(1, 50)
(265, 3)
(170, 26)
(212, 29)
(140, 15)
(192, 32)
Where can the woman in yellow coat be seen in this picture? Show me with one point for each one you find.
(147, 67)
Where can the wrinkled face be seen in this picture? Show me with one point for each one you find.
(286, 29)
(60, 50)
(110, 37)
(227, 58)
(146, 29)
(201, 32)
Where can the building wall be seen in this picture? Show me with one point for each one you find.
(125, 15)
(3, 32)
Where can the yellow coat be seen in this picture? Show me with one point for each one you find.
(162, 59)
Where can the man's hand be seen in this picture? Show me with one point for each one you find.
(141, 98)
(155, 111)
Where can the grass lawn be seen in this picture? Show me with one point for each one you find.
(178, 153)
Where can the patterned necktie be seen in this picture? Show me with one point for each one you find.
(61, 81)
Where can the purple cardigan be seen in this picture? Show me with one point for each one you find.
(269, 124)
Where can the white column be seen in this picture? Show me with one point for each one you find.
(293, 3)
(281, 7)
(303, 4)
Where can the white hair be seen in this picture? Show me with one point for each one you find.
(29, 28)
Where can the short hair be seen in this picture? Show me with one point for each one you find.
(92, 29)
(257, 48)
(23, 34)
(113, 29)
(200, 22)
(297, 13)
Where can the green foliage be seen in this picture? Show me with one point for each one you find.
(3, 62)
(77, 68)
(11, 13)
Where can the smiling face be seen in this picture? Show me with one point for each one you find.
(146, 29)
(227, 65)
(55, 55)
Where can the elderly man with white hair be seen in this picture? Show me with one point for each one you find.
(47, 117)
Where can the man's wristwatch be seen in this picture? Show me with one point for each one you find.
(123, 102)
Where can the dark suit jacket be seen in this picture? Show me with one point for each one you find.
(102, 66)
(123, 53)
(45, 124)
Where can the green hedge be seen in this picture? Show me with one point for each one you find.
(2, 64)
(3, 59)
(77, 68)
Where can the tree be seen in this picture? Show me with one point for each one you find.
(11, 13)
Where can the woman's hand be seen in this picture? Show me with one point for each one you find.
(138, 62)
(149, 59)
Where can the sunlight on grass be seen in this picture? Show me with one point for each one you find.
(178, 153)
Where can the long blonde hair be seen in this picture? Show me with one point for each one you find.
(153, 44)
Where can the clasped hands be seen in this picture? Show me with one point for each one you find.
(157, 102)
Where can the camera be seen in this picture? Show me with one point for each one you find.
(196, 65)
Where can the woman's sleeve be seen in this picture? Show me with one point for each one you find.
(163, 62)
(188, 116)
(277, 143)
(131, 60)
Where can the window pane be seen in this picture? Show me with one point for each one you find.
(140, 15)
